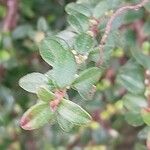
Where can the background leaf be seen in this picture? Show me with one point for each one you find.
(146, 116)
(134, 119)
(142, 59)
(64, 124)
(74, 8)
(132, 78)
(134, 102)
(84, 83)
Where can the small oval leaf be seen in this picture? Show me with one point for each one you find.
(83, 43)
(131, 76)
(134, 102)
(36, 116)
(31, 82)
(73, 113)
(56, 52)
(134, 119)
(84, 82)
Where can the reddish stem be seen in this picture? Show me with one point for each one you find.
(11, 16)
(110, 22)
(59, 96)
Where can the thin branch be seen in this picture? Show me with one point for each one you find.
(11, 16)
(110, 22)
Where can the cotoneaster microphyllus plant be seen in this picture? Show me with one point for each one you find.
(51, 88)
(84, 61)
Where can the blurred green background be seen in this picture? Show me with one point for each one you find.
(19, 55)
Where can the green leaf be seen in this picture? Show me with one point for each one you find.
(42, 25)
(101, 9)
(142, 59)
(132, 78)
(45, 94)
(31, 82)
(105, 6)
(64, 124)
(56, 52)
(147, 6)
(78, 22)
(73, 113)
(74, 8)
(146, 28)
(134, 102)
(134, 118)
(22, 31)
(84, 83)
(146, 116)
(114, 39)
(143, 134)
(131, 16)
(37, 116)
(83, 43)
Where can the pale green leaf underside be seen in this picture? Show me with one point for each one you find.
(45, 94)
(31, 82)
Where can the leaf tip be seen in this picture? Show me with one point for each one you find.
(24, 123)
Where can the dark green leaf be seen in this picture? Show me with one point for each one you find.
(56, 52)
(134, 102)
(134, 118)
(83, 43)
(84, 83)
(132, 78)
(142, 59)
